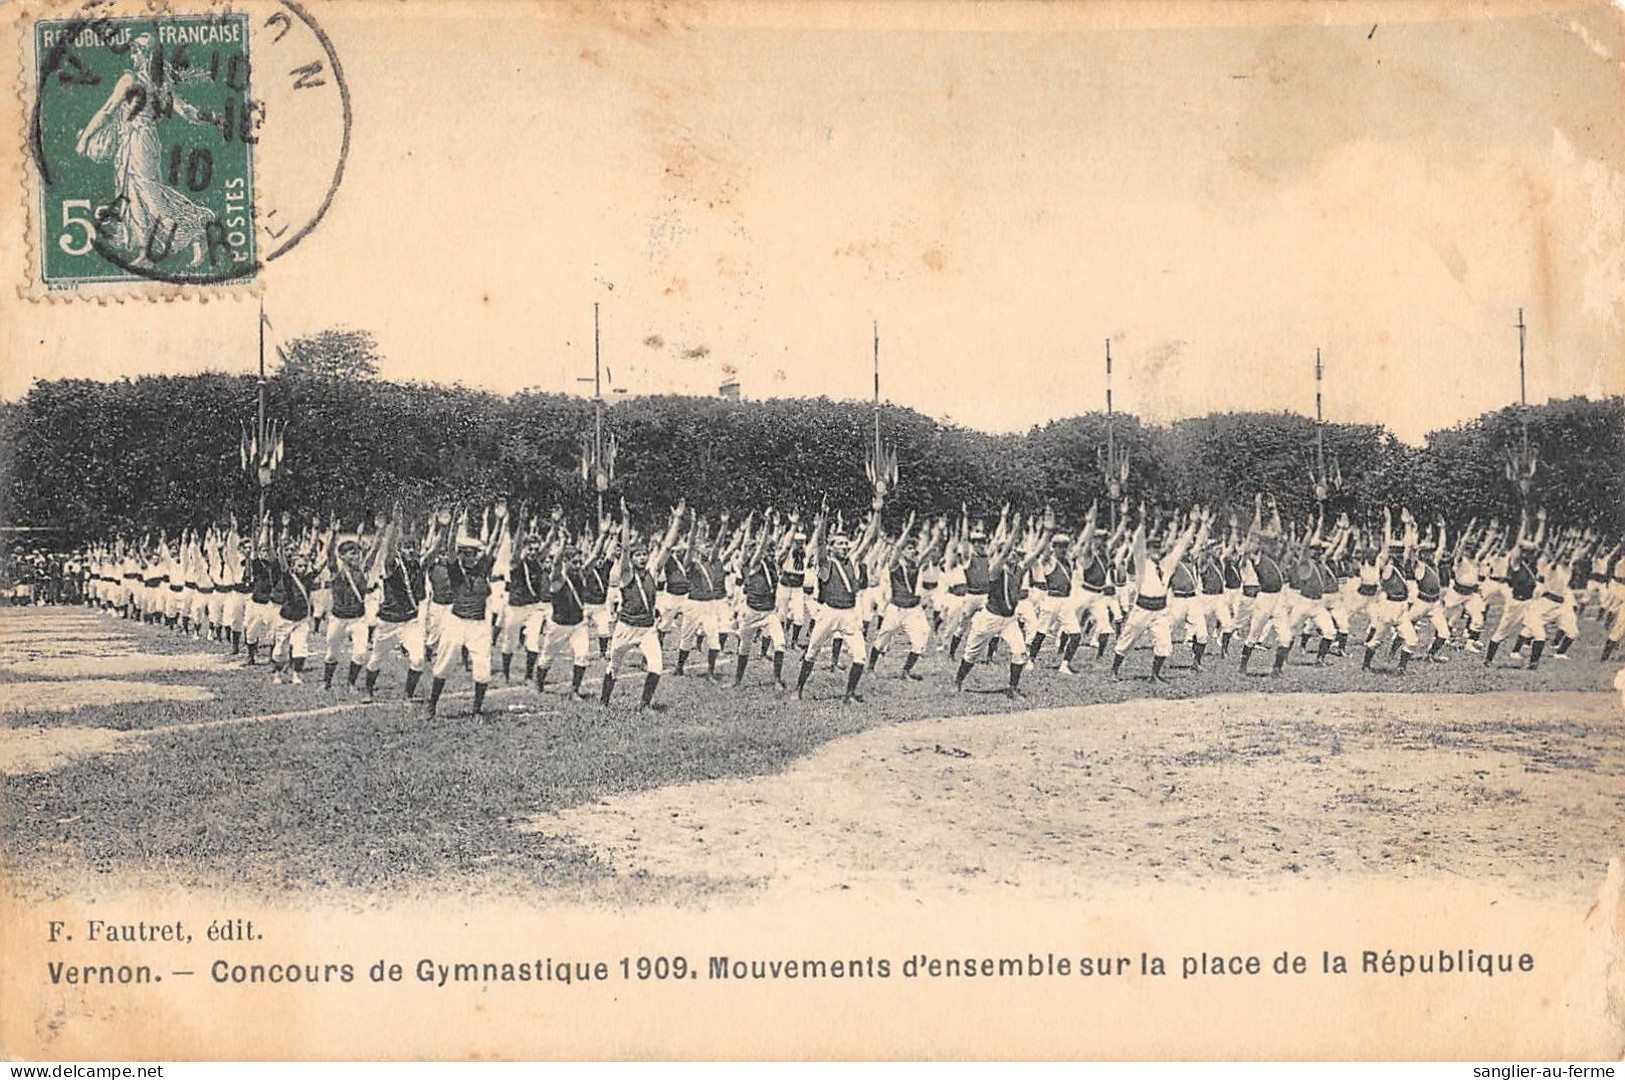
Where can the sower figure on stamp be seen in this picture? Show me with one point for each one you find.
(838, 584)
(466, 625)
(634, 572)
(399, 621)
(1008, 565)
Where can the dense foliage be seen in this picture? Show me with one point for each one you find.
(85, 457)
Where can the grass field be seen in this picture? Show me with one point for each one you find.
(131, 755)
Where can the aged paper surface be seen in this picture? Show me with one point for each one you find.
(1000, 188)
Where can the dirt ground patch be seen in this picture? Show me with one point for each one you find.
(126, 662)
(32, 750)
(1245, 786)
(51, 695)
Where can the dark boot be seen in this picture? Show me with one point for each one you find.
(1224, 644)
(953, 647)
(435, 689)
(1015, 679)
(1489, 654)
(507, 667)
(908, 667)
(1117, 666)
(711, 662)
(1156, 667)
(803, 676)
(1536, 648)
(1036, 647)
(253, 654)
(1404, 661)
(1197, 652)
(650, 681)
(1325, 647)
(965, 668)
(739, 667)
(1370, 654)
(608, 688)
(1608, 648)
(1100, 646)
(479, 699)
(1281, 653)
(371, 684)
(1246, 655)
(682, 661)
(1435, 649)
(327, 674)
(577, 673)
(530, 665)
(853, 674)
(355, 670)
(412, 677)
(874, 659)
(778, 668)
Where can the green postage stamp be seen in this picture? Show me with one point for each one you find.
(142, 138)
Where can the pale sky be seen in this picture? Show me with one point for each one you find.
(735, 190)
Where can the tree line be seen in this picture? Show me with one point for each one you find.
(83, 458)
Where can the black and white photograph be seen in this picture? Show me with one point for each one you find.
(819, 531)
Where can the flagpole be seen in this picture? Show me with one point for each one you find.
(259, 430)
(878, 457)
(597, 411)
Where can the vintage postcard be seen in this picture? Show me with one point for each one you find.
(825, 530)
